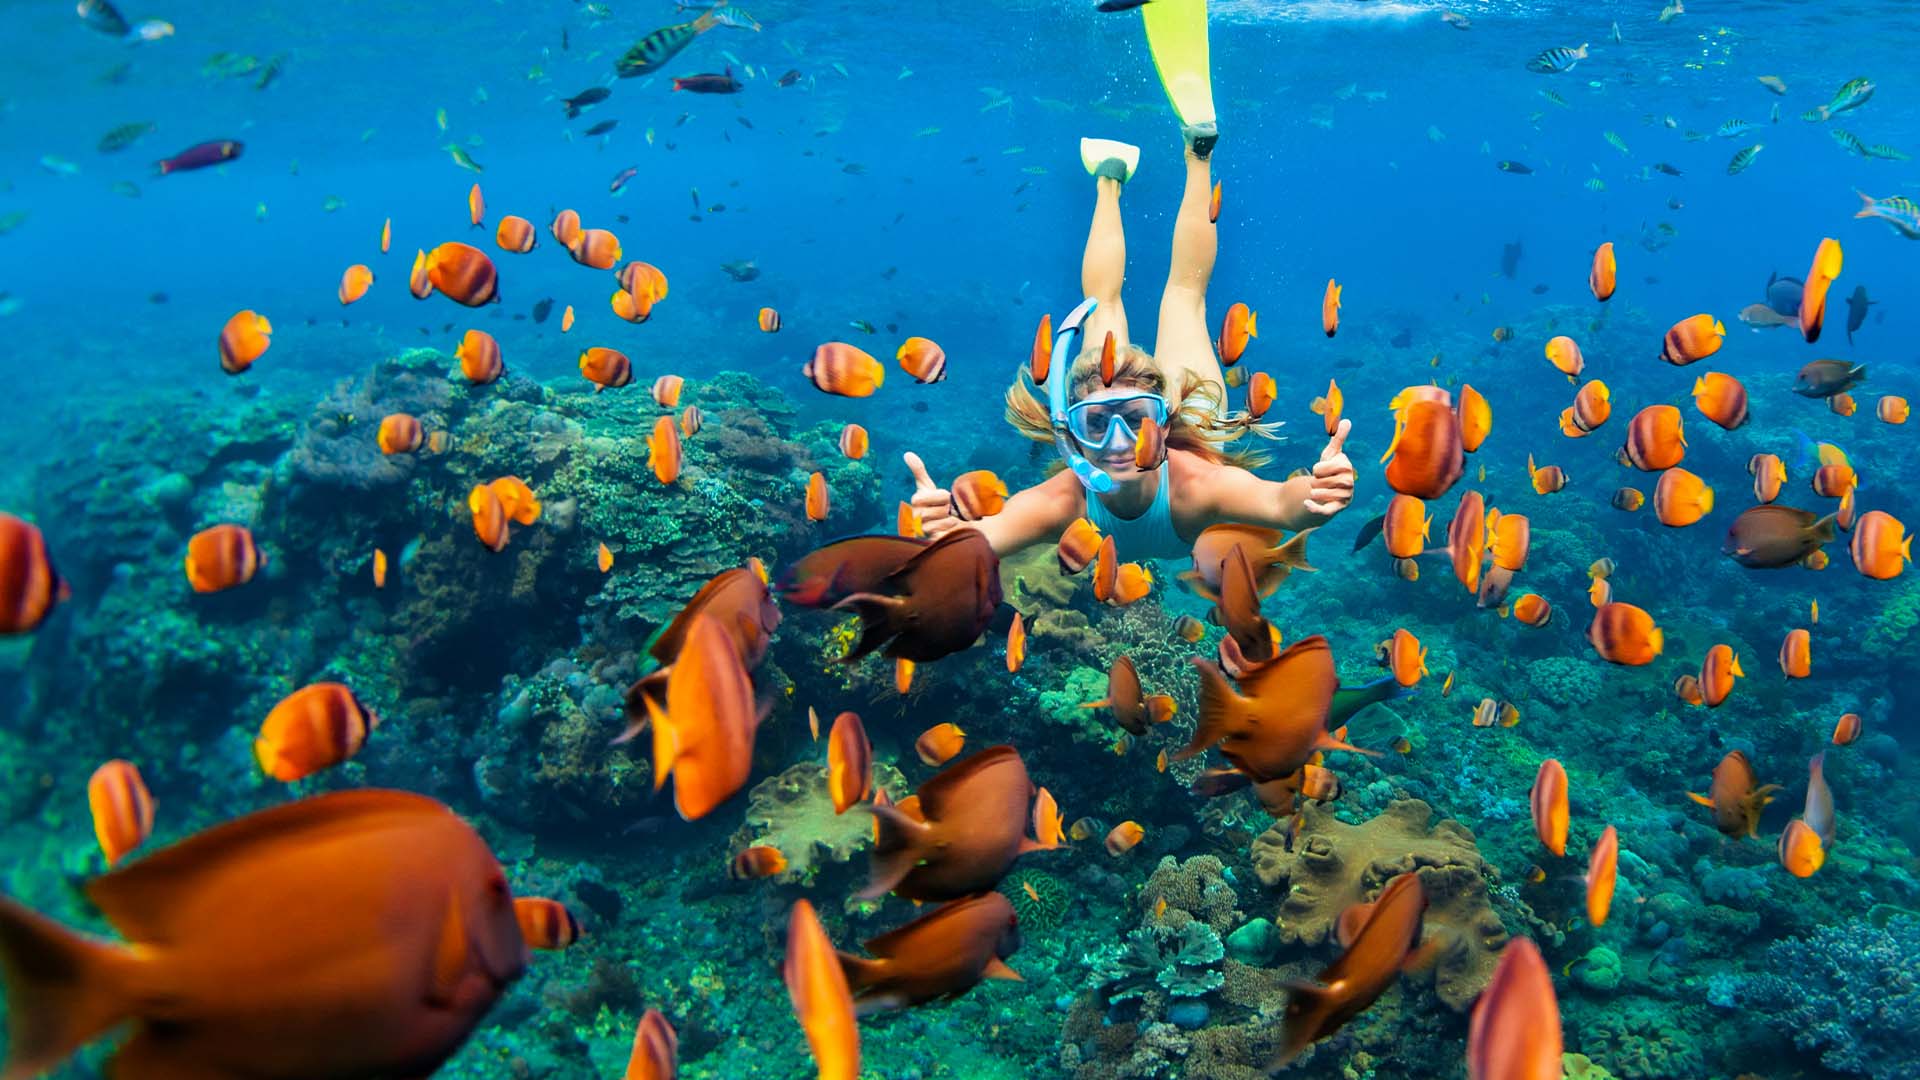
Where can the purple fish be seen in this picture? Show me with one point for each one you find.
(625, 175)
(709, 84)
(200, 156)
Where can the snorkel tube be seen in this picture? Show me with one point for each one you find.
(1066, 346)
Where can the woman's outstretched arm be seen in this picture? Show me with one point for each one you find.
(1300, 503)
(1037, 515)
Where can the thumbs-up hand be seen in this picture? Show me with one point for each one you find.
(1332, 479)
(932, 502)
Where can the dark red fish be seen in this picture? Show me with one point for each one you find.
(200, 156)
(933, 603)
(971, 826)
(709, 84)
(942, 954)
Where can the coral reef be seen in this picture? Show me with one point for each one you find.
(1846, 994)
(1039, 899)
(793, 811)
(1324, 866)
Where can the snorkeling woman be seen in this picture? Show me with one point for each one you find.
(1152, 512)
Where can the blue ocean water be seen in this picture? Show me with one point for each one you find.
(920, 175)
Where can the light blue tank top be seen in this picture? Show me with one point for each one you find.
(1149, 536)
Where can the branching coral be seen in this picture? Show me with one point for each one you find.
(1848, 993)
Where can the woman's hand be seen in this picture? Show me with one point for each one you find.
(1332, 477)
(934, 503)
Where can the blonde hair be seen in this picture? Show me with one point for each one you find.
(1194, 424)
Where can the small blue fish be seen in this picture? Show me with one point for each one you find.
(1557, 60)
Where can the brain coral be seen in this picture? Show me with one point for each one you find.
(794, 813)
(1565, 680)
(1331, 865)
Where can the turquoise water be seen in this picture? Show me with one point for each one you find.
(920, 176)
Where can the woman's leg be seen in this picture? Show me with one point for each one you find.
(1184, 344)
(1103, 268)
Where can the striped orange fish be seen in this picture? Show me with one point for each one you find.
(122, 808)
(1476, 418)
(597, 248)
(663, 450)
(1262, 391)
(489, 517)
(1721, 398)
(314, 728)
(517, 500)
(222, 557)
(978, 494)
(1880, 545)
(1695, 337)
(565, 227)
(644, 279)
(1592, 405)
(1717, 673)
(1016, 643)
(631, 306)
(1601, 276)
(1602, 870)
(399, 433)
(690, 420)
(1624, 634)
(605, 368)
(515, 234)
(545, 924)
(1654, 439)
(1515, 1030)
(1425, 458)
(479, 356)
(476, 206)
(354, 283)
(418, 283)
(666, 391)
(464, 274)
(817, 497)
(768, 321)
(853, 442)
(1681, 498)
(1796, 653)
(29, 585)
(656, 1048)
(1549, 801)
(843, 369)
(923, 359)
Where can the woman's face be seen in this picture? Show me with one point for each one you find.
(1116, 458)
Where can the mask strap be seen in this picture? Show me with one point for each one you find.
(1065, 348)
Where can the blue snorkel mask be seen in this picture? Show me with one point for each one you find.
(1098, 423)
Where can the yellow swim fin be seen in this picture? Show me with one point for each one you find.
(1177, 37)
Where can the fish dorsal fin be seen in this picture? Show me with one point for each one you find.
(1300, 661)
(938, 794)
(997, 969)
(141, 899)
(452, 955)
(888, 945)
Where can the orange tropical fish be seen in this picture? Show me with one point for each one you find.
(418, 283)
(399, 433)
(817, 501)
(1721, 398)
(476, 206)
(1261, 393)
(479, 356)
(603, 558)
(517, 500)
(1131, 582)
(605, 367)
(1406, 657)
(1509, 538)
(1654, 439)
(1796, 654)
(489, 517)
(1109, 357)
(1106, 570)
(1330, 406)
(656, 1047)
(1467, 540)
(768, 321)
(1379, 940)
(1736, 797)
(515, 234)
(940, 743)
(1681, 498)
(1769, 473)
(1564, 354)
(463, 273)
(758, 861)
(354, 283)
(414, 903)
(1687, 689)
(663, 450)
(1078, 546)
(222, 557)
(1834, 481)
(1601, 277)
(1693, 338)
(1843, 517)
(566, 319)
(1241, 325)
(1546, 480)
(1426, 455)
(1048, 832)
(631, 306)
(643, 280)
(822, 1002)
(1515, 1031)
(978, 494)
(1122, 838)
(1476, 418)
(1405, 526)
(1602, 871)
(666, 391)
(1624, 634)
(1532, 609)
(545, 924)
(906, 522)
(922, 359)
(596, 248)
(1801, 852)
(690, 421)
(1892, 409)
(1880, 545)
(849, 762)
(386, 236)
(1016, 643)
(1592, 405)
(1717, 673)
(703, 736)
(1827, 260)
(314, 728)
(1330, 309)
(243, 340)
(1213, 204)
(1549, 801)
(840, 368)
(122, 808)
(1842, 404)
(1150, 445)
(1847, 729)
(1040, 361)
(853, 442)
